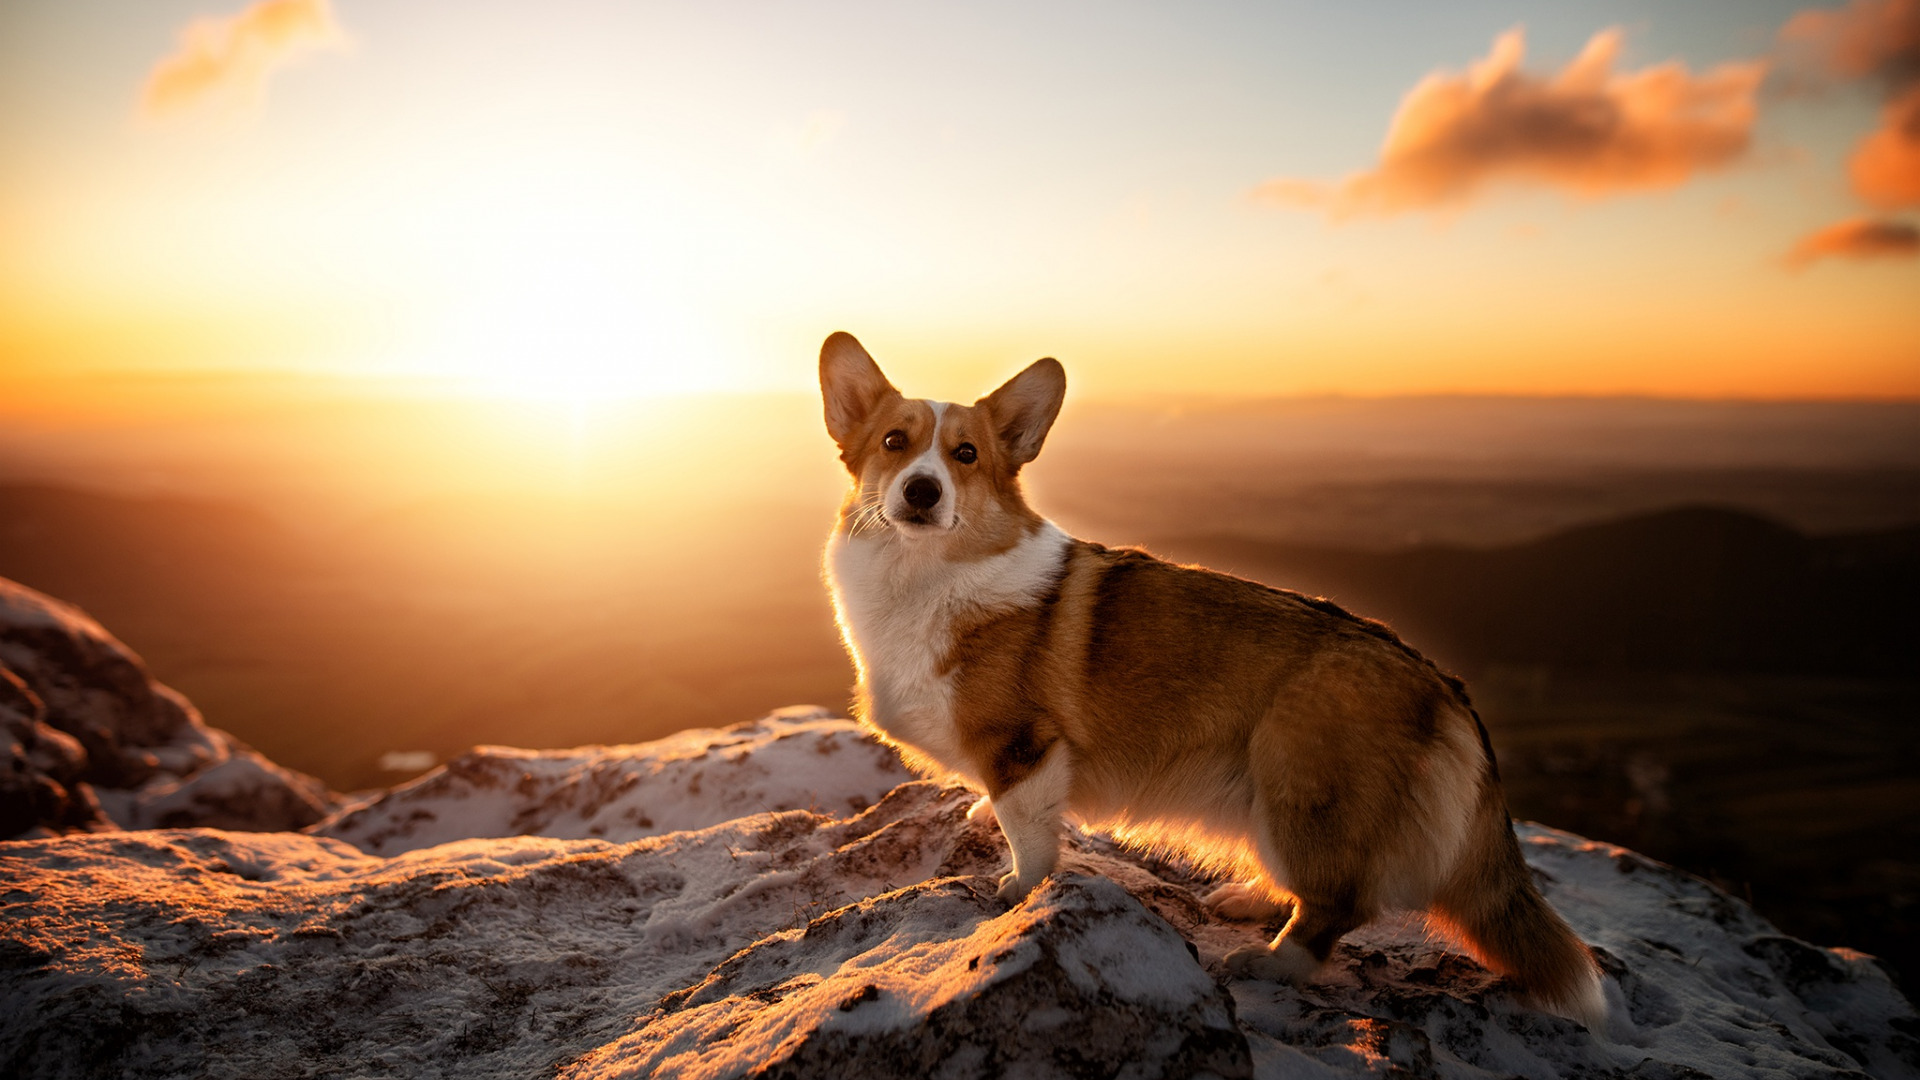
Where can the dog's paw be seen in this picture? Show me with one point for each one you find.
(1288, 963)
(1012, 889)
(1243, 901)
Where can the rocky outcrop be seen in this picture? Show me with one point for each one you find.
(96, 743)
(40, 783)
(797, 758)
(940, 980)
(834, 942)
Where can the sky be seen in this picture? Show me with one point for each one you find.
(577, 201)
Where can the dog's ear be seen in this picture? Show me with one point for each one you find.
(1023, 409)
(851, 384)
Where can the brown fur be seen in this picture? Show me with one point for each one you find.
(1492, 906)
(1257, 730)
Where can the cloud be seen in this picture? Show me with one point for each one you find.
(1876, 40)
(1866, 39)
(1886, 166)
(1858, 238)
(1586, 130)
(229, 59)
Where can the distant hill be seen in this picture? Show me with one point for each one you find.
(1698, 588)
(94, 548)
(1694, 588)
(326, 653)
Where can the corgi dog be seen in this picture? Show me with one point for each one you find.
(1308, 753)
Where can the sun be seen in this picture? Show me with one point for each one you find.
(578, 339)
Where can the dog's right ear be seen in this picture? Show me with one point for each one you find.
(851, 384)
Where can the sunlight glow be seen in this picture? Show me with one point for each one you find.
(575, 339)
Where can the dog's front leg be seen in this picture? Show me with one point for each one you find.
(1029, 811)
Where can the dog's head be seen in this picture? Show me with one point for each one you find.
(928, 469)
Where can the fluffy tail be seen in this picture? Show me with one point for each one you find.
(1491, 902)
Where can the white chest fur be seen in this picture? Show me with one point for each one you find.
(898, 602)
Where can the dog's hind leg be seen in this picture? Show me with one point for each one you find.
(1029, 812)
(1310, 839)
(1302, 946)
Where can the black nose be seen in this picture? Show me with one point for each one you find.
(922, 492)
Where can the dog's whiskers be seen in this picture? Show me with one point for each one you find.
(869, 513)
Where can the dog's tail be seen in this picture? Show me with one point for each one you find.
(1491, 903)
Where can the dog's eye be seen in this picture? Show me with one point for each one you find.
(965, 453)
(896, 440)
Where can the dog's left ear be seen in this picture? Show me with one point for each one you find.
(1023, 409)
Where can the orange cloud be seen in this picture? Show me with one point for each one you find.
(1877, 40)
(1859, 238)
(1886, 167)
(1867, 38)
(1587, 130)
(231, 58)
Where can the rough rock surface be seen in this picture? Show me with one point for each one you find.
(96, 743)
(40, 783)
(797, 758)
(836, 943)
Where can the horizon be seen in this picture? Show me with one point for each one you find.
(30, 392)
(323, 452)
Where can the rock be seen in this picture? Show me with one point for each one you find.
(98, 744)
(172, 952)
(799, 758)
(39, 776)
(93, 687)
(834, 943)
(241, 790)
(940, 980)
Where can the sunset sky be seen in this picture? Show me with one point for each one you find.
(1703, 198)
